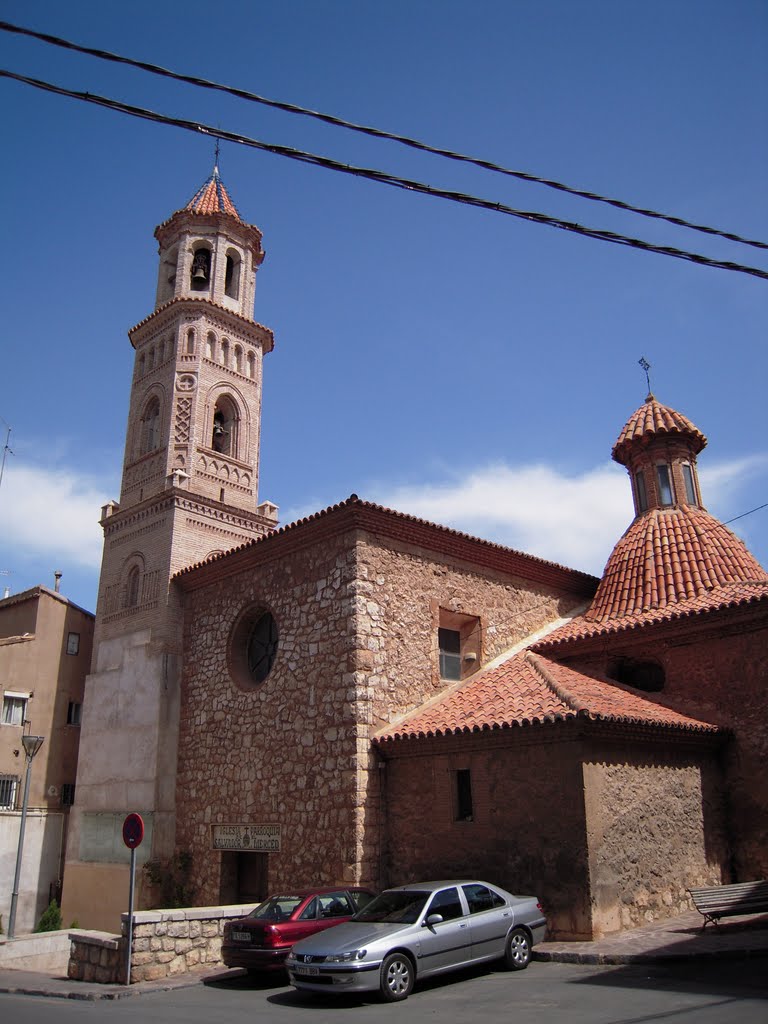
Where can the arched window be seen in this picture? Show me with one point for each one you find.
(132, 587)
(225, 352)
(238, 359)
(140, 366)
(151, 358)
(200, 275)
(210, 346)
(225, 427)
(251, 365)
(150, 426)
(190, 343)
(232, 274)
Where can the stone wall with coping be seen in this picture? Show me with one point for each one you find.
(165, 943)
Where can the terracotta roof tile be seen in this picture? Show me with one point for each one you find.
(671, 555)
(212, 197)
(732, 595)
(651, 419)
(529, 689)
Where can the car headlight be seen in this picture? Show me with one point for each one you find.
(346, 958)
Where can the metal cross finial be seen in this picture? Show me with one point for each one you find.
(646, 366)
(216, 156)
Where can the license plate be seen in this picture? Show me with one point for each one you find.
(241, 936)
(307, 971)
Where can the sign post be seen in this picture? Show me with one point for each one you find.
(133, 833)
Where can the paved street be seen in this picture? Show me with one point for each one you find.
(703, 992)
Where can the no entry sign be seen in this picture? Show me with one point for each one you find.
(133, 831)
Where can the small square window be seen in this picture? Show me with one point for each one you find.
(449, 641)
(9, 785)
(458, 642)
(67, 794)
(73, 643)
(14, 709)
(74, 713)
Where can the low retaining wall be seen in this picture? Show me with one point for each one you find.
(165, 943)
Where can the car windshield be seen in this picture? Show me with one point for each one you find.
(276, 908)
(397, 906)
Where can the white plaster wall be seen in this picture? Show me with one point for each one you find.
(43, 837)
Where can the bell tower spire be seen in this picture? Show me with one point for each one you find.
(189, 490)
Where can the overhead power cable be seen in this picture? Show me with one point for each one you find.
(387, 179)
(338, 122)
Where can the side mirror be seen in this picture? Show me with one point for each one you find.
(432, 920)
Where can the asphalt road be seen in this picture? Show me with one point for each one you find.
(704, 992)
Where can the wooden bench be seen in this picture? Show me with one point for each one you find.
(730, 900)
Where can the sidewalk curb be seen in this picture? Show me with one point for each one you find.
(618, 959)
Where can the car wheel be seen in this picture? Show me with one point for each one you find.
(517, 952)
(396, 981)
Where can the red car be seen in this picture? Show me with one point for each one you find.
(261, 941)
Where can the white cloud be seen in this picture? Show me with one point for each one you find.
(53, 512)
(574, 520)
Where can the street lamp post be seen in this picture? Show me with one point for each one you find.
(31, 746)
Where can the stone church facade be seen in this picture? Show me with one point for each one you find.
(366, 697)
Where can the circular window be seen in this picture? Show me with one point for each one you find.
(254, 647)
(262, 647)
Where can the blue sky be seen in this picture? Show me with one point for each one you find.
(465, 366)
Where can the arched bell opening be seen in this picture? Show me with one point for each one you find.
(224, 431)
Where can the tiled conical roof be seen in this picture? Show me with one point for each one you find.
(212, 197)
(653, 419)
(670, 555)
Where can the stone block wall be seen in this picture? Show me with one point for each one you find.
(165, 943)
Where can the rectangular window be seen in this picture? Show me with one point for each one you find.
(67, 794)
(74, 713)
(449, 642)
(9, 785)
(463, 795)
(73, 643)
(665, 485)
(690, 487)
(14, 709)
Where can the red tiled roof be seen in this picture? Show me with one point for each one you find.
(653, 418)
(732, 595)
(670, 555)
(529, 689)
(212, 197)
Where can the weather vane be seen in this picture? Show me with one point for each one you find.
(646, 366)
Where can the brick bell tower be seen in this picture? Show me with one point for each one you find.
(189, 490)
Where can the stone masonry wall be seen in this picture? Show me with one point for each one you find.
(719, 675)
(357, 618)
(165, 943)
(655, 828)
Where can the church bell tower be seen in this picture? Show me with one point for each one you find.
(189, 490)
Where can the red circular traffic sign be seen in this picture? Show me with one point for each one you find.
(133, 831)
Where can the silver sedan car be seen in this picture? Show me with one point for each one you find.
(417, 931)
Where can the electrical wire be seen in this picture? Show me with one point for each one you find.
(378, 133)
(385, 178)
